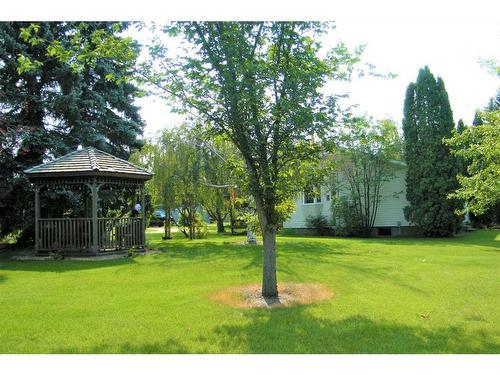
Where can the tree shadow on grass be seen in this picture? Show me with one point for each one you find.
(168, 346)
(289, 255)
(211, 249)
(60, 266)
(478, 238)
(295, 330)
(483, 238)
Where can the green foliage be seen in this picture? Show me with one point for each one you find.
(252, 222)
(191, 224)
(221, 165)
(432, 169)
(479, 146)
(346, 218)
(10, 238)
(477, 119)
(190, 172)
(85, 46)
(260, 84)
(366, 158)
(47, 107)
(460, 126)
(320, 223)
(26, 65)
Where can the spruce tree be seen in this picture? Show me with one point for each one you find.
(432, 169)
(48, 110)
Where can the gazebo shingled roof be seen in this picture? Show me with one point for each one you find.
(88, 162)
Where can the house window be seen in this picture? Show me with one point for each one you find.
(311, 196)
(308, 198)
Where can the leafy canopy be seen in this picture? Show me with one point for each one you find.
(479, 146)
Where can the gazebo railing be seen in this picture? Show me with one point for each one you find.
(65, 234)
(75, 234)
(120, 233)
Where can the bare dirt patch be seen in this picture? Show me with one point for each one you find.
(290, 294)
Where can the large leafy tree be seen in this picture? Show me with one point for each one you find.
(479, 150)
(479, 146)
(48, 106)
(367, 156)
(259, 83)
(432, 169)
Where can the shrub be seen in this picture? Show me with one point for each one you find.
(345, 220)
(200, 226)
(320, 223)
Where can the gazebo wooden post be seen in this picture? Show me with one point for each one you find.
(37, 216)
(143, 205)
(94, 188)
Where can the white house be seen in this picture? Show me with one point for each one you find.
(390, 219)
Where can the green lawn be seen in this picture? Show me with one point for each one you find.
(391, 296)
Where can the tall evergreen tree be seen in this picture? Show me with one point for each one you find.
(477, 119)
(460, 126)
(432, 169)
(47, 108)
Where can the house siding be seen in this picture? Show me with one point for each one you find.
(390, 209)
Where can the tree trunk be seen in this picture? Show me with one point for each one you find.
(269, 281)
(168, 225)
(191, 222)
(220, 224)
(231, 219)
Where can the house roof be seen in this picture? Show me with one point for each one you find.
(88, 161)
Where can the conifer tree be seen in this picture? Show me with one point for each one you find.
(47, 108)
(477, 119)
(432, 169)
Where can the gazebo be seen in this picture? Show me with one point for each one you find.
(88, 171)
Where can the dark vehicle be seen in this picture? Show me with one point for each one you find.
(157, 218)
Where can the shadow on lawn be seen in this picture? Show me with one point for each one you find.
(169, 346)
(290, 254)
(211, 249)
(61, 265)
(295, 330)
(482, 237)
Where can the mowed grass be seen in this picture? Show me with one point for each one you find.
(390, 296)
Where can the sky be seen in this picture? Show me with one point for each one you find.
(400, 37)
(451, 49)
